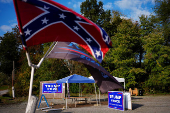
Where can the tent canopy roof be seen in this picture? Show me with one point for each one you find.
(117, 78)
(75, 79)
(120, 79)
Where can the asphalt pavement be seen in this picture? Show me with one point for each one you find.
(140, 104)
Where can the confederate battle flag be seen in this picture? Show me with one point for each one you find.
(42, 21)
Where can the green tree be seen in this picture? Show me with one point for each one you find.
(115, 21)
(94, 11)
(147, 26)
(124, 55)
(10, 47)
(4, 79)
(162, 10)
(155, 52)
(157, 63)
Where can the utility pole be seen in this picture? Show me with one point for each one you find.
(13, 75)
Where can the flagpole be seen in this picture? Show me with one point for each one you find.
(42, 59)
(31, 106)
(28, 58)
(17, 12)
(31, 81)
(35, 66)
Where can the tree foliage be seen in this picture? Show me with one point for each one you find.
(9, 51)
(157, 63)
(161, 9)
(93, 10)
(126, 48)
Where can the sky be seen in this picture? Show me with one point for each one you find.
(131, 8)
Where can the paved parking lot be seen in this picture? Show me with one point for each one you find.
(140, 104)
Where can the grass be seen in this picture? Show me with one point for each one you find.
(4, 87)
(6, 99)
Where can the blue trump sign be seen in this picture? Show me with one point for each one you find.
(115, 100)
(52, 88)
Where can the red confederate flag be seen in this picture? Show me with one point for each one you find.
(42, 21)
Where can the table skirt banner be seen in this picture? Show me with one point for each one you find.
(116, 100)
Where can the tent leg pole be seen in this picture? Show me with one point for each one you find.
(124, 85)
(96, 94)
(99, 96)
(67, 95)
(79, 89)
(66, 102)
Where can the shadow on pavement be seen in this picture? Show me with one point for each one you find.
(135, 106)
(57, 111)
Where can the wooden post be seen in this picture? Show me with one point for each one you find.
(13, 74)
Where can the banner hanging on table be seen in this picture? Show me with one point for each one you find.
(42, 21)
(116, 100)
(70, 51)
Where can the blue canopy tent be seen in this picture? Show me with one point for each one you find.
(75, 79)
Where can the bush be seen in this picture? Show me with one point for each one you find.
(4, 79)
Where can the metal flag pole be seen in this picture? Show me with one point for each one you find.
(35, 66)
(32, 101)
(31, 81)
(28, 109)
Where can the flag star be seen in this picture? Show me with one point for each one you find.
(62, 16)
(98, 53)
(78, 17)
(44, 21)
(27, 32)
(76, 28)
(88, 40)
(46, 7)
(106, 38)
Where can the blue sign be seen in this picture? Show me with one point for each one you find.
(52, 88)
(115, 100)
